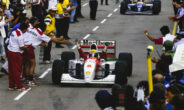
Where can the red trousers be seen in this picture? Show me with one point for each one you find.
(14, 69)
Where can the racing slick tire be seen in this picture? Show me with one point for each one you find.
(127, 57)
(120, 72)
(66, 56)
(78, 70)
(156, 7)
(57, 71)
(124, 6)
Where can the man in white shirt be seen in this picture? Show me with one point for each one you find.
(34, 38)
(15, 49)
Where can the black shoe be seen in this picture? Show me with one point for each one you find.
(80, 16)
(4, 71)
(93, 19)
(76, 20)
(59, 46)
(2, 60)
(67, 38)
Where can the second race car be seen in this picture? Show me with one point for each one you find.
(140, 7)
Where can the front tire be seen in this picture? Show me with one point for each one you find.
(57, 71)
(127, 57)
(120, 72)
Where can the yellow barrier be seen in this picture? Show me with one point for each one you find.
(149, 68)
(175, 28)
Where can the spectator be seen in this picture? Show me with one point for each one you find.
(171, 91)
(60, 27)
(73, 3)
(106, 2)
(36, 9)
(178, 102)
(2, 23)
(158, 78)
(157, 98)
(178, 40)
(93, 4)
(17, 13)
(104, 100)
(174, 6)
(50, 22)
(78, 10)
(179, 16)
(166, 36)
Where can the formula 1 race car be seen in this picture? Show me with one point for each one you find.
(140, 7)
(93, 70)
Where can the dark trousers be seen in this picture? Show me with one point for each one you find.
(47, 50)
(78, 9)
(93, 8)
(36, 11)
(59, 28)
(106, 2)
(14, 69)
(66, 24)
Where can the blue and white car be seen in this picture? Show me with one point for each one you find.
(140, 7)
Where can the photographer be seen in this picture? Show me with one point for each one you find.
(17, 12)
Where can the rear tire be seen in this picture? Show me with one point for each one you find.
(57, 71)
(156, 7)
(66, 56)
(127, 57)
(120, 72)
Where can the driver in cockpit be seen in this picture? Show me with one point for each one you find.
(93, 53)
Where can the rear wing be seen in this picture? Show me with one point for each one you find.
(111, 50)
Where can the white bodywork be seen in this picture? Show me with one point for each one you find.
(89, 67)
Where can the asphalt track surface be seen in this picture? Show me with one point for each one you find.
(127, 30)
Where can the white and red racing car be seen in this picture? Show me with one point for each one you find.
(92, 69)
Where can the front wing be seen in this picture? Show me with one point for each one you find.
(149, 12)
(66, 78)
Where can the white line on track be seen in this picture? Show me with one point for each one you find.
(74, 47)
(86, 36)
(85, 4)
(115, 9)
(21, 94)
(94, 29)
(45, 73)
(103, 21)
(109, 15)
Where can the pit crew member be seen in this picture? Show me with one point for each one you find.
(15, 50)
(166, 36)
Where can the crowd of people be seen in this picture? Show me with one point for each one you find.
(168, 84)
(20, 35)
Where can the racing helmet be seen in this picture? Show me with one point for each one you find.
(93, 46)
(93, 53)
